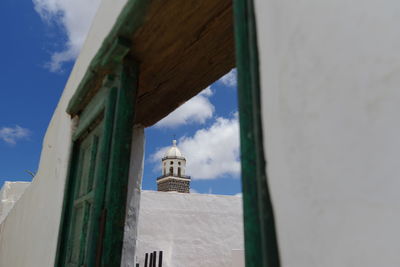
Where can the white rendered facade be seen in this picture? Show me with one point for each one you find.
(10, 193)
(330, 94)
(192, 230)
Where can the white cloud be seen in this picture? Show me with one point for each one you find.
(11, 135)
(75, 17)
(229, 79)
(212, 152)
(158, 155)
(196, 110)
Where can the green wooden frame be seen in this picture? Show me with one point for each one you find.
(119, 162)
(261, 248)
(101, 106)
(114, 106)
(260, 234)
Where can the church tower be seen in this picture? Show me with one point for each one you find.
(173, 176)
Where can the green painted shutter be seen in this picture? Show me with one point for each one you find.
(83, 197)
(95, 199)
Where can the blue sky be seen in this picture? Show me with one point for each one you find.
(41, 39)
(29, 92)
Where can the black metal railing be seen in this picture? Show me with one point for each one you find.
(173, 175)
(150, 259)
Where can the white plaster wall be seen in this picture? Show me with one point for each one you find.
(238, 259)
(28, 236)
(330, 75)
(133, 200)
(192, 230)
(9, 194)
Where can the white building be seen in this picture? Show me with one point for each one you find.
(193, 230)
(319, 97)
(190, 229)
(10, 193)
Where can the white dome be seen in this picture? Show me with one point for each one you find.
(173, 151)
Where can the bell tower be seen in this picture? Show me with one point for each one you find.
(173, 176)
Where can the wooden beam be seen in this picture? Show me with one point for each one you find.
(183, 47)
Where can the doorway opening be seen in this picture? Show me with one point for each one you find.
(159, 55)
(197, 206)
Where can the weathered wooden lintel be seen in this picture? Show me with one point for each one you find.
(182, 47)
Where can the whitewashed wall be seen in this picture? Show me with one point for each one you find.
(26, 238)
(331, 104)
(10, 193)
(192, 230)
(133, 199)
(238, 258)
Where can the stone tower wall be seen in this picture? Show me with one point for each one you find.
(174, 185)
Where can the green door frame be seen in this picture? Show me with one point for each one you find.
(260, 235)
(114, 107)
(119, 162)
(99, 111)
(261, 246)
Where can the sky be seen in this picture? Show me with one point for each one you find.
(41, 40)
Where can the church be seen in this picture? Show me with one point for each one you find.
(173, 176)
(191, 230)
(186, 229)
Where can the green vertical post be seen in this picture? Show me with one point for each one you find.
(261, 248)
(95, 234)
(67, 209)
(118, 173)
